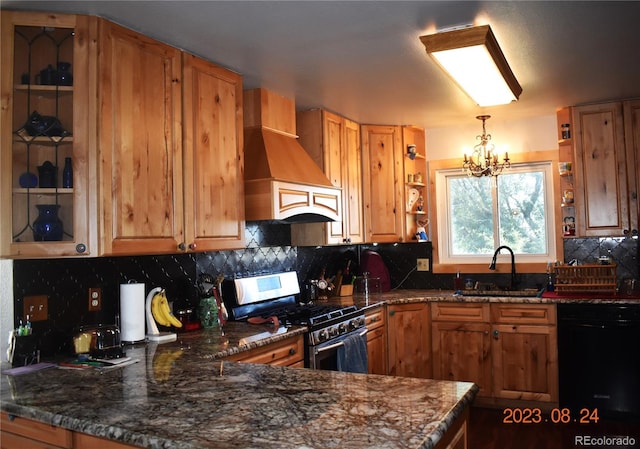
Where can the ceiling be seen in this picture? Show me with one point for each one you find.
(363, 59)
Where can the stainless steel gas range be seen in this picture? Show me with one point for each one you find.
(330, 326)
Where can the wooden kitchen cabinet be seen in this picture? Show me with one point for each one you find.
(383, 183)
(333, 142)
(525, 352)
(20, 432)
(213, 157)
(25, 433)
(508, 350)
(140, 99)
(409, 340)
(30, 43)
(456, 436)
(631, 111)
(376, 340)
(169, 183)
(287, 352)
(161, 181)
(461, 343)
(602, 194)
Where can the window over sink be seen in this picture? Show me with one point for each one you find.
(477, 215)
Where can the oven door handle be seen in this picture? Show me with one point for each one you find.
(340, 343)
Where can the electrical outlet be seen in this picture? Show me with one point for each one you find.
(36, 307)
(423, 264)
(95, 299)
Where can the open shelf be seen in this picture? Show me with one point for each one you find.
(44, 88)
(43, 191)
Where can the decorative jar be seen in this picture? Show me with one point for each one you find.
(209, 312)
(47, 227)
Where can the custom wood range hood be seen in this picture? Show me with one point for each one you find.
(282, 182)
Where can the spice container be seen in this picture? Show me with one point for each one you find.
(565, 130)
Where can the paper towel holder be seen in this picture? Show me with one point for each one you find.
(153, 334)
(132, 315)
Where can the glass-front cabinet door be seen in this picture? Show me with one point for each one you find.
(48, 119)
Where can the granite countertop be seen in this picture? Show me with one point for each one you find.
(181, 394)
(176, 397)
(233, 338)
(409, 296)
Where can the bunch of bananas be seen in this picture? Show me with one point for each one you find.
(162, 312)
(163, 362)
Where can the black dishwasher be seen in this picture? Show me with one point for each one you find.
(599, 358)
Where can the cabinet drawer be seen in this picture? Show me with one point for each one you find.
(374, 319)
(523, 313)
(471, 312)
(284, 353)
(21, 430)
(374, 333)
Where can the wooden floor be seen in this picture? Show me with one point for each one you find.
(487, 431)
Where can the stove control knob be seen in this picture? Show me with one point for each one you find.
(323, 335)
(353, 324)
(333, 331)
(342, 328)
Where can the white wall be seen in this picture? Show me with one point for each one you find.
(6, 305)
(532, 134)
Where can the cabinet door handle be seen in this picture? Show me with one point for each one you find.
(192, 246)
(182, 246)
(495, 334)
(392, 312)
(292, 351)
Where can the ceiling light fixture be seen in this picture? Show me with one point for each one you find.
(473, 58)
(484, 160)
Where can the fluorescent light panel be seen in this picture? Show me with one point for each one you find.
(473, 58)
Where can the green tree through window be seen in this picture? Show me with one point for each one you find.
(486, 212)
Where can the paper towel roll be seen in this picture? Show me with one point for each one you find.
(132, 299)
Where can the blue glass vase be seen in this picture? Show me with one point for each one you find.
(47, 227)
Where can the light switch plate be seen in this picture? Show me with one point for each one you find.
(36, 307)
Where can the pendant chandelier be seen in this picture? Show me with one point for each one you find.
(484, 160)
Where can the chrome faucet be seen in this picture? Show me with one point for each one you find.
(513, 264)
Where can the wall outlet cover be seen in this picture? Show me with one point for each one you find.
(422, 264)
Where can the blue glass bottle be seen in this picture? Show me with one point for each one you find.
(67, 174)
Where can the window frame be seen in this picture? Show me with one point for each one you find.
(480, 264)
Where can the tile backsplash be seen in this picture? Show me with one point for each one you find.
(268, 250)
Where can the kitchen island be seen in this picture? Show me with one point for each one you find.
(175, 397)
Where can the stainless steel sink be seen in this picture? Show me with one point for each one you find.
(526, 292)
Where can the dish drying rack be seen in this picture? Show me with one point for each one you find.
(593, 278)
